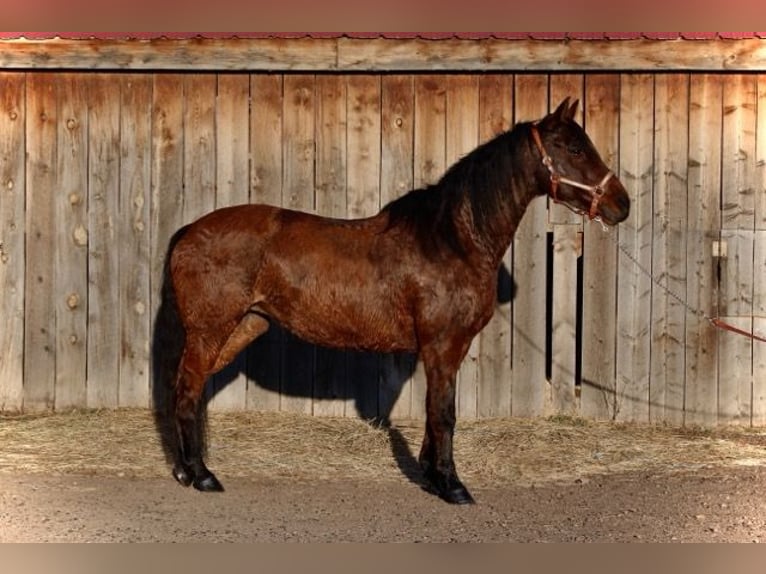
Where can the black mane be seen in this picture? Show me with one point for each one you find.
(482, 177)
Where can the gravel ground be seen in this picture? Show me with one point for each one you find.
(713, 506)
(101, 477)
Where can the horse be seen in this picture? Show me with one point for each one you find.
(417, 277)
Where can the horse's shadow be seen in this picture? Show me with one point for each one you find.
(280, 362)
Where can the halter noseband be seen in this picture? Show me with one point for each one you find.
(596, 191)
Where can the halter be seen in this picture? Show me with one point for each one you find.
(596, 191)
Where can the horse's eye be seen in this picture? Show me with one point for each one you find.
(574, 149)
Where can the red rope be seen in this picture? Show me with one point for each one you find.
(715, 321)
(721, 324)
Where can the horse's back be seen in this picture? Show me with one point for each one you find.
(245, 219)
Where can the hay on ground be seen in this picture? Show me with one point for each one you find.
(124, 442)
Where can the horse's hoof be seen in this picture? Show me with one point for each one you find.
(458, 495)
(182, 475)
(208, 483)
(449, 489)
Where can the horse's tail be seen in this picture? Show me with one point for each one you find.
(168, 341)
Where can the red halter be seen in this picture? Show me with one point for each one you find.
(596, 191)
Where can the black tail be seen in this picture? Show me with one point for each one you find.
(168, 341)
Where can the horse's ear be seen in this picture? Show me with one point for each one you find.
(572, 111)
(562, 112)
(566, 112)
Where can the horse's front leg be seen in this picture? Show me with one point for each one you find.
(436, 455)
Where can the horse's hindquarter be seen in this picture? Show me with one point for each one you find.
(214, 263)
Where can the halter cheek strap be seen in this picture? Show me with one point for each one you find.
(596, 191)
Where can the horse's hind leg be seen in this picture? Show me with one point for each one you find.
(197, 364)
(192, 374)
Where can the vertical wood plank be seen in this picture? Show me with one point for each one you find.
(331, 103)
(759, 266)
(167, 145)
(397, 136)
(563, 86)
(134, 238)
(462, 136)
(71, 242)
(264, 355)
(634, 286)
(759, 327)
(266, 119)
(396, 178)
(232, 139)
(12, 241)
(103, 149)
(760, 151)
(494, 391)
(298, 144)
(39, 312)
(363, 178)
(429, 165)
(669, 248)
(331, 379)
(199, 145)
(430, 130)
(567, 248)
(599, 328)
(199, 163)
(530, 390)
(298, 193)
(167, 168)
(739, 124)
(738, 222)
(704, 220)
(735, 305)
(363, 200)
(231, 151)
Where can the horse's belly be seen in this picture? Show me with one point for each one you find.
(343, 324)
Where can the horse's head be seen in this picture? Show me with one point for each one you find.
(575, 173)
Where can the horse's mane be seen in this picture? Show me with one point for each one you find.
(482, 177)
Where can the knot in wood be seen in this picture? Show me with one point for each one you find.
(73, 301)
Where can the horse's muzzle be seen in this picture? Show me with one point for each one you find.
(614, 205)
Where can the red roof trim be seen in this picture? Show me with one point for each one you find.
(559, 36)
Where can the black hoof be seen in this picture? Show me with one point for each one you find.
(182, 475)
(457, 496)
(208, 483)
(448, 488)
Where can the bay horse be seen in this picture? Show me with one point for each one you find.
(419, 277)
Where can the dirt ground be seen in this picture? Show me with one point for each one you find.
(99, 477)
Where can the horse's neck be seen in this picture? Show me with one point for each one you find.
(523, 185)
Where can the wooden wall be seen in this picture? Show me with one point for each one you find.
(98, 169)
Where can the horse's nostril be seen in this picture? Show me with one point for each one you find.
(624, 203)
